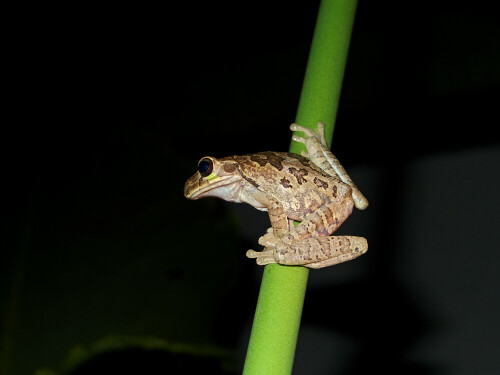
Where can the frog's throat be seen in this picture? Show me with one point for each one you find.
(224, 187)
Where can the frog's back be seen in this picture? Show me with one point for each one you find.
(300, 185)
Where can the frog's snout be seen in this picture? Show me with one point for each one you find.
(189, 188)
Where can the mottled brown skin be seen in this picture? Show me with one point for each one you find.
(284, 176)
(316, 192)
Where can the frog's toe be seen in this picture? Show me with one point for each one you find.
(297, 128)
(255, 254)
(321, 128)
(304, 154)
(268, 240)
(318, 133)
(298, 139)
(321, 132)
(252, 253)
(262, 261)
(262, 257)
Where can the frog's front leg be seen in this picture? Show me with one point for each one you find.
(280, 226)
(318, 152)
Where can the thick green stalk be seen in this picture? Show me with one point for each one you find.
(277, 317)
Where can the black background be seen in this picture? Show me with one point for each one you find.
(108, 109)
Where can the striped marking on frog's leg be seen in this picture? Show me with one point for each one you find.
(278, 218)
(322, 252)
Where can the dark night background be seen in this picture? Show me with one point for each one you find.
(109, 110)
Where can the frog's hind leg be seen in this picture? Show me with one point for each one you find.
(315, 252)
(328, 251)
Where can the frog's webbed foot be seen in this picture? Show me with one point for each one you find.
(319, 134)
(266, 256)
(263, 257)
(269, 241)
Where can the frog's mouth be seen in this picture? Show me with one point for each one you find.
(224, 187)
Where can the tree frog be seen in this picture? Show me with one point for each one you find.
(313, 188)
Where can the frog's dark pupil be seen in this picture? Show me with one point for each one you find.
(205, 167)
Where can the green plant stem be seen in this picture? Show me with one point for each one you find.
(271, 348)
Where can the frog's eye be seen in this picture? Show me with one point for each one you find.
(205, 167)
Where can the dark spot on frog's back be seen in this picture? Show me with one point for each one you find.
(268, 157)
(299, 174)
(285, 183)
(302, 160)
(320, 183)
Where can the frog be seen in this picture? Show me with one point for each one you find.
(312, 189)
